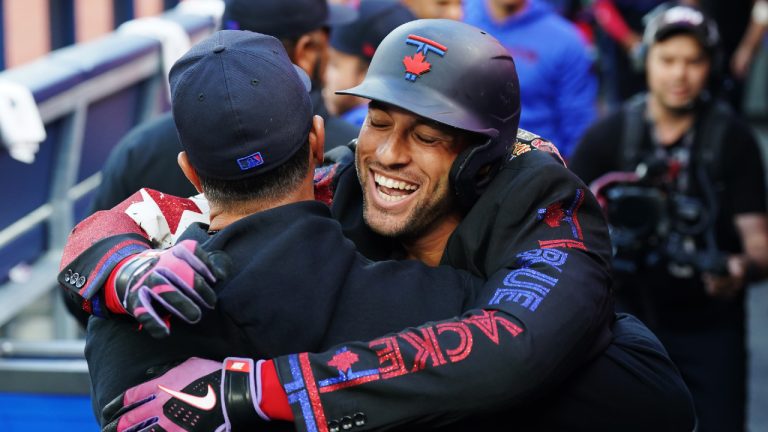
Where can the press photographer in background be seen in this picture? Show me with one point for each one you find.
(682, 183)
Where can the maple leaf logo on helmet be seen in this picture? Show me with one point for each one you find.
(417, 65)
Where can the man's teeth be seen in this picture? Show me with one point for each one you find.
(391, 198)
(393, 184)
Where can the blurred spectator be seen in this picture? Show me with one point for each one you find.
(682, 180)
(448, 9)
(557, 87)
(619, 26)
(741, 31)
(750, 43)
(352, 47)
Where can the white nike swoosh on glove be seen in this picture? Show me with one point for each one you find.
(206, 403)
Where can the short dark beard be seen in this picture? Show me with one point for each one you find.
(422, 220)
(686, 109)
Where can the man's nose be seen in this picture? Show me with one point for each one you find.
(679, 70)
(394, 151)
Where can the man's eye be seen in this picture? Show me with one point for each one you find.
(427, 139)
(377, 123)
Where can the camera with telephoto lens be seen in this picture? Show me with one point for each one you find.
(654, 226)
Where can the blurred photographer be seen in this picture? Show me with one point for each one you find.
(681, 179)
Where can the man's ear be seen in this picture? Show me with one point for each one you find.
(304, 53)
(189, 171)
(317, 140)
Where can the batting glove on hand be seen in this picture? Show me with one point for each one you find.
(179, 279)
(195, 396)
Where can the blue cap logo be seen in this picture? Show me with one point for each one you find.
(250, 161)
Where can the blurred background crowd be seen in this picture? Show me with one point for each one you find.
(660, 107)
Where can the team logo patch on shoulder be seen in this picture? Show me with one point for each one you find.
(417, 65)
(519, 149)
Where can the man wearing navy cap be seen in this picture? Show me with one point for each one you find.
(146, 156)
(250, 143)
(352, 47)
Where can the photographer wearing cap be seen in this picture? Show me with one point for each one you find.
(682, 181)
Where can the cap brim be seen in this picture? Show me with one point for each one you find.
(675, 29)
(304, 78)
(425, 103)
(340, 14)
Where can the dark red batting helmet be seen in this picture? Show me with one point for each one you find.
(456, 75)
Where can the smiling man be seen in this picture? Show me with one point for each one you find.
(401, 163)
(689, 276)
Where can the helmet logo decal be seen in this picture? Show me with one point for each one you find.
(417, 65)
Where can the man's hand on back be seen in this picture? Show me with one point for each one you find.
(179, 280)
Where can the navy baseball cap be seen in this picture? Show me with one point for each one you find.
(284, 18)
(376, 18)
(240, 106)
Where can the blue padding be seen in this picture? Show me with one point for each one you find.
(119, 112)
(46, 77)
(106, 53)
(27, 186)
(27, 249)
(46, 413)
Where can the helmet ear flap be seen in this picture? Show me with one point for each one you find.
(467, 179)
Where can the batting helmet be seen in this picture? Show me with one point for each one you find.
(456, 75)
